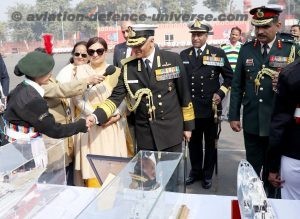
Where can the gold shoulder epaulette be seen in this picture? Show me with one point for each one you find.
(126, 60)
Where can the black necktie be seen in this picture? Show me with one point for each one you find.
(265, 51)
(199, 51)
(148, 68)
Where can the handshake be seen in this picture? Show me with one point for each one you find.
(91, 120)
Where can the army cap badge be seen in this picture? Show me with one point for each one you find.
(263, 15)
(139, 33)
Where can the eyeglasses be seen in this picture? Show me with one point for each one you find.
(100, 52)
(83, 55)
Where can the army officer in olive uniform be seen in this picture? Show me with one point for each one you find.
(157, 89)
(254, 82)
(204, 64)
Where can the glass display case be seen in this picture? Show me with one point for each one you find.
(25, 166)
(135, 190)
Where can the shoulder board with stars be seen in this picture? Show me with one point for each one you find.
(126, 60)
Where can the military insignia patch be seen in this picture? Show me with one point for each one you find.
(131, 32)
(139, 65)
(259, 13)
(197, 23)
(166, 64)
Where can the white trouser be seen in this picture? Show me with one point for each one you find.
(290, 173)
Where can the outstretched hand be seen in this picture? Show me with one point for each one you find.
(112, 120)
(90, 121)
(95, 79)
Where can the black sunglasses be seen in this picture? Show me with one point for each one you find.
(91, 52)
(83, 55)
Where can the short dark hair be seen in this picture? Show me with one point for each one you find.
(80, 43)
(296, 25)
(236, 28)
(97, 40)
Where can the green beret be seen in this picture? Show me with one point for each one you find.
(36, 64)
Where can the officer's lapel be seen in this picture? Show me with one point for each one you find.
(257, 53)
(155, 65)
(123, 51)
(143, 75)
(273, 51)
(192, 57)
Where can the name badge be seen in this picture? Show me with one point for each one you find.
(186, 62)
(167, 73)
(213, 61)
(132, 81)
(278, 61)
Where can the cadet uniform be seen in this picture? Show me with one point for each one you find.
(159, 97)
(203, 73)
(284, 153)
(27, 112)
(252, 86)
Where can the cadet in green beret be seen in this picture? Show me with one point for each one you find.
(27, 112)
(254, 83)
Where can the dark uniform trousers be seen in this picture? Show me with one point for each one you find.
(204, 127)
(203, 73)
(256, 147)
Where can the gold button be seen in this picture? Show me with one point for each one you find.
(160, 103)
(159, 96)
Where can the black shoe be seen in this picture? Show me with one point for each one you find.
(206, 183)
(191, 179)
